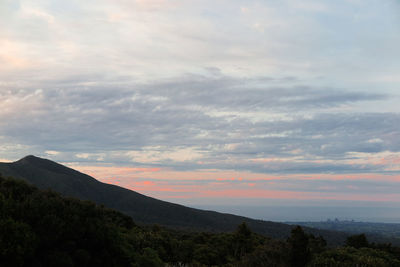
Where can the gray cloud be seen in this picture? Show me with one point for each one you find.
(226, 93)
(229, 123)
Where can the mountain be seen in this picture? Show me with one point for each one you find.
(43, 228)
(47, 174)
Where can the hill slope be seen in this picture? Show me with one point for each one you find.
(48, 174)
(42, 228)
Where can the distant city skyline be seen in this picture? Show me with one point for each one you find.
(193, 100)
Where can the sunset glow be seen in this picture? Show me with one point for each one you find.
(164, 183)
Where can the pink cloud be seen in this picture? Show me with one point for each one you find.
(164, 184)
(103, 172)
(145, 183)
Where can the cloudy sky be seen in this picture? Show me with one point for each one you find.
(208, 99)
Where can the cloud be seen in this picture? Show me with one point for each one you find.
(195, 122)
(268, 88)
(127, 38)
(52, 152)
(228, 184)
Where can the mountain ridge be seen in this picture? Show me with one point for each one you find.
(47, 174)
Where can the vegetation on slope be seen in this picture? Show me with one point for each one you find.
(42, 228)
(374, 231)
(47, 174)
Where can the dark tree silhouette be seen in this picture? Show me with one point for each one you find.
(357, 241)
(300, 253)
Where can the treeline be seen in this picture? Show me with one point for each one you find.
(390, 232)
(42, 228)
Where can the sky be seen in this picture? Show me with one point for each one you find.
(209, 102)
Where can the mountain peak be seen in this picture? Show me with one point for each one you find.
(30, 159)
(43, 164)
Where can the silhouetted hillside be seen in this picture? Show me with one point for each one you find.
(47, 174)
(41, 228)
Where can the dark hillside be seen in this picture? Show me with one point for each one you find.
(47, 174)
(41, 228)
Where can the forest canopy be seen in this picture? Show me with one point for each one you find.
(42, 228)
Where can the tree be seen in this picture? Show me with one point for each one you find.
(17, 242)
(299, 252)
(242, 241)
(357, 241)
